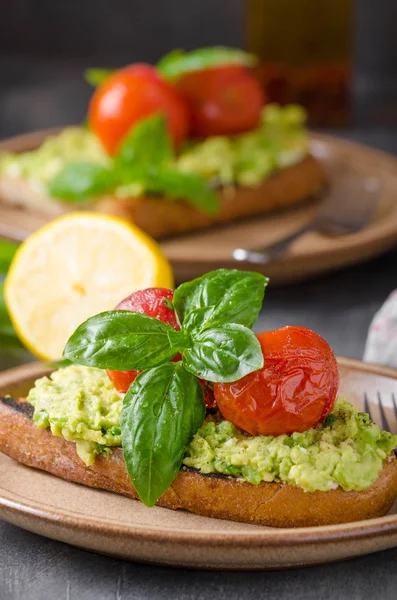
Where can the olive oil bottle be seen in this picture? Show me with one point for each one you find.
(305, 52)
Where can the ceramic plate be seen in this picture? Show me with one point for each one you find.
(194, 254)
(117, 526)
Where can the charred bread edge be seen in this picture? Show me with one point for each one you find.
(270, 504)
(159, 218)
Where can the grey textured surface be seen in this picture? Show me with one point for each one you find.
(33, 568)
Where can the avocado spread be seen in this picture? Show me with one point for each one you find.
(346, 450)
(81, 405)
(280, 140)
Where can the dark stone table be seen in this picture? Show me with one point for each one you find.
(339, 307)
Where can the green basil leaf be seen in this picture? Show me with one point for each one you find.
(8, 337)
(77, 182)
(59, 364)
(161, 412)
(9, 342)
(147, 144)
(121, 340)
(178, 63)
(96, 77)
(7, 252)
(183, 186)
(223, 354)
(6, 328)
(220, 297)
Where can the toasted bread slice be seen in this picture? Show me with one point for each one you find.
(271, 504)
(160, 217)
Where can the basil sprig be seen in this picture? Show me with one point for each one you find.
(223, 354)
(178, 62)
(81, 181)
(145, 160)
(219, 297)
(122, 340)
(162, 411)
(148, 144)
(7, 252)
(214, 341)
(164, 406)
(96, 75)
(8, 337)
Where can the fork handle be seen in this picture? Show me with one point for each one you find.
(269, 253)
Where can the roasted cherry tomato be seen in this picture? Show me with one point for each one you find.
(130, 95)
(209, 397)
(294, 391)
(222, 100)
(153, 302)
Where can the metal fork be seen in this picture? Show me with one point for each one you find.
(348, 206)
(386, 422)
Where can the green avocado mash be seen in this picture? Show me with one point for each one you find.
(346, 450)
(39, 166)
(246, 159)
(81, 405)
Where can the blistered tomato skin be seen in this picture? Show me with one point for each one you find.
(153, 302)
(294, 391)
(223, 100)
(209, 397)
(130, 95)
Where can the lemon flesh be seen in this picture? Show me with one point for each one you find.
(77, 266)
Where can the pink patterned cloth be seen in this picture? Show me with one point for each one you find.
(381, 346)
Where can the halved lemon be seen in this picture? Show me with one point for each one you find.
(75, 267)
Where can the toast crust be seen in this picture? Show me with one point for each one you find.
(270, 504)
(160, 217)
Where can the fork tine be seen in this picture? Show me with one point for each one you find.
(385, 424)
(366, 405)
(393, 397)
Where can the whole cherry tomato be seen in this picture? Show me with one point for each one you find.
(208, 390)
(130, 95)
(222, 100)
(294, 390)
(154, 303)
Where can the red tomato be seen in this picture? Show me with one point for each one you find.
(208, 390)
(294, 391)
(130, 95)
(151, 303)
(222, 100)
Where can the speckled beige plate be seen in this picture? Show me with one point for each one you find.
(194, 254)
(110, 524)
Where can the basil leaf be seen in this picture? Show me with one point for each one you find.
(8, 337)
(121, 340)
(223, 354)
(147, 144)
(7, 252)
(9, 342)
(81, 181)
(162, 410)
(96, 77)
(178, 63)
(220, 297)
(6, 327)
(183, 186)
(59, 364)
